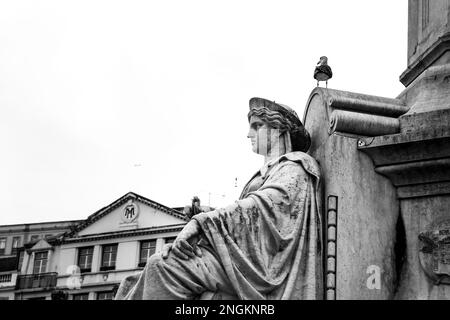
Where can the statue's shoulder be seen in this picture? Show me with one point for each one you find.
(305, 160)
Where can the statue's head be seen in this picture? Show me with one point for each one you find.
(196, 201)
(275, 128)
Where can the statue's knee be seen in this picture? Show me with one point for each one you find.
(130, 280)
(156, 261)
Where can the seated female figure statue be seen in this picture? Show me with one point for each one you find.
(266, 245)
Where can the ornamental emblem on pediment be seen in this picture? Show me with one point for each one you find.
(434, 253)
(130, 212)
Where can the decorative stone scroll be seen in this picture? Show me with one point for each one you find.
(362, 123)
(360, 114)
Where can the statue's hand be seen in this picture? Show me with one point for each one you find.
(185, 245)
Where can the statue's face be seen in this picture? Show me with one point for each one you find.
(265, 139)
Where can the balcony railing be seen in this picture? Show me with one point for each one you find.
(5, 278)
(40, 280)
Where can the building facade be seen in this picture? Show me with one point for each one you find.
(85, 259)
(12, 241)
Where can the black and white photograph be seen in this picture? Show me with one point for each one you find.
(224, 155)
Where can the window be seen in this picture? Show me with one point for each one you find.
(19, 264)
(40, 262)
(15, 244)
(170, 240)
(109, 256)
(2, 246)
(59, 295)
(81, 296)
(106, 295)
(5, 277)
(147, 249)
(85, 258)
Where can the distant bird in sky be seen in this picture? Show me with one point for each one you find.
(323, 71)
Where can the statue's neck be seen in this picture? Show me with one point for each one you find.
(270, 158)
(277, 150)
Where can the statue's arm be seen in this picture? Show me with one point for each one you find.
(185, 244)
(274, 197)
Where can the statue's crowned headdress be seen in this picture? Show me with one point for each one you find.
(284, 118)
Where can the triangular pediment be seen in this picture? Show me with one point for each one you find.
(129, 212)
(41, 245)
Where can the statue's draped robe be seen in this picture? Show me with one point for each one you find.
(267, 245)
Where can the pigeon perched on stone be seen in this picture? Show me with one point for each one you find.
(323, 71)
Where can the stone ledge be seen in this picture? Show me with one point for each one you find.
(426, 60)
(417, 172)
(426, 120)
(423, 190)
(430, 91)
(433, 143)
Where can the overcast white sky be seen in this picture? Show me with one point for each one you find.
(98, 98)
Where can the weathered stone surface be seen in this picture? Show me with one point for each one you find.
(362, 231)
(364, 103)
(434, 255)
(418, 215)
(428, 37)
(429, 92)
(423, 190)
(406, 148)
(358, 114)
(417, 162)
(417, 159)
(381, 157)
(362, 123)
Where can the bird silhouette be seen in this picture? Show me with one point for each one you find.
(323, 71)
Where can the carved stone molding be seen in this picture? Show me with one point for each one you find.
(417, 163)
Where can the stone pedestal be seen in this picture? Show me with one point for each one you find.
(417, 162)
(418, 165)
(411, 149)
(417, 158)
(361, 210)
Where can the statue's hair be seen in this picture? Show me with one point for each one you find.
(283, 119)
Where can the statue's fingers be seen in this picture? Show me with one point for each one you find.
(166, 249)
(179, 254)
(186, 245)
(197, 251)
(186, 248)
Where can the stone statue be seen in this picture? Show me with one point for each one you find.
(266, 245)
(195, 208)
